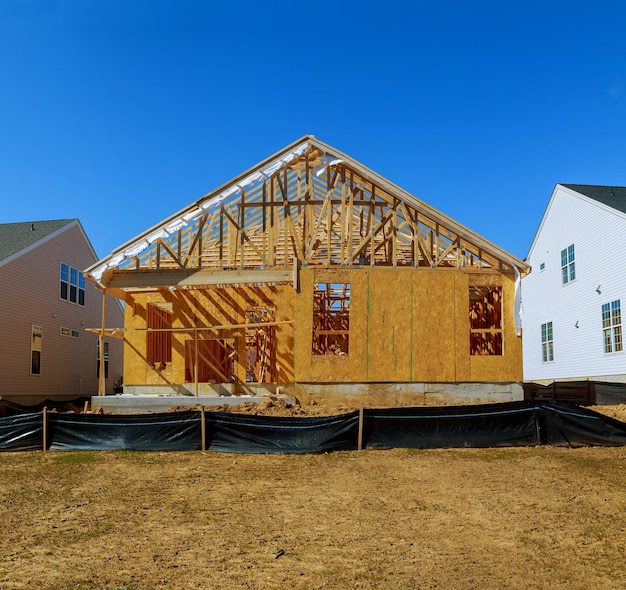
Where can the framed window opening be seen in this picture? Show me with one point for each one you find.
(547, 342)
(331, 319)
(159, 336)
(568, 265)
(485, 313)
(612, 327)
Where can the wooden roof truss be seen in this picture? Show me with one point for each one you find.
(316, 209)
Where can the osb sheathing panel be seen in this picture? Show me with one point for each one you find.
(406, 325)
(209, 307)
(507, 367)
(389, 322)
(433, 326)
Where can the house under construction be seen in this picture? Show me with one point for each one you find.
(311, 275)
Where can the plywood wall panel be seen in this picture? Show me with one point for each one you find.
(389, 334)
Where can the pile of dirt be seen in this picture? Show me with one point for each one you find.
(273, 407)
(618, 411)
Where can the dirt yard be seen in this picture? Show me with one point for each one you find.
(438, 519)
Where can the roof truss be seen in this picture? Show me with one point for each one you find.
(308, 207)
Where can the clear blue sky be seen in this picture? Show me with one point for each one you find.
(120, 113)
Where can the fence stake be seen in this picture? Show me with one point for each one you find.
(203, 428)
(45, 428)
(360, 441)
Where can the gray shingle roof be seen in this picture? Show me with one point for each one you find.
(15, 237)
(613, 196)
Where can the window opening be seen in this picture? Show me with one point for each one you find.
(568, 264)
(485, 311)
(35, 350)
(547, 342)
(331, 319)
(612, 326)
(261, 346)
(159, 336)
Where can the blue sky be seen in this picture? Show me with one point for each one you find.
(120, 113)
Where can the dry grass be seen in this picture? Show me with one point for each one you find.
(466, 518)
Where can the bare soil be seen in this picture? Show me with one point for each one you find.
(512, 518)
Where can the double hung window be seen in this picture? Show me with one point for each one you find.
(612, 327)
(547, 343)
(568, 265)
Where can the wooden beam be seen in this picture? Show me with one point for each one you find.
(195, 277)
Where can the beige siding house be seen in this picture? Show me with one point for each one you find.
(46, 348)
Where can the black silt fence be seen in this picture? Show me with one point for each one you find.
(527, 423)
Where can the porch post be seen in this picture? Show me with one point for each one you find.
(101, 376)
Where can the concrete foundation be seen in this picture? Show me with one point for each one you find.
(404, 394)
(150, 398)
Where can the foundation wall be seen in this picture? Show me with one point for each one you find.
(350, 395)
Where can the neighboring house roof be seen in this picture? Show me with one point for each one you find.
(309, 181)
(613, 196)
(18, 238)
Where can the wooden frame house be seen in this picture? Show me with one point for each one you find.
(312, 275)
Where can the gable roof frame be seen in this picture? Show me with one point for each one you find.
(305, 211)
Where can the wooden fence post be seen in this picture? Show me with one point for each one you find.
(203, 428)
(45, 429)
(360, 441)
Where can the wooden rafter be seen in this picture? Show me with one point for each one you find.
(319, 211)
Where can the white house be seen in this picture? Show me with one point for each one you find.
(573, 298)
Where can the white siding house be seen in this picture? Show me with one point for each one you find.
(575, 297)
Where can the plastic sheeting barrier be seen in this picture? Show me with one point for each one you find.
(21, 433)
(238, 433)
(489, 425)
(174, 431)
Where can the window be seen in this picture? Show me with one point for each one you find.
(485, 311)
(35, 350)
(106, 360)
(159, 338)
(612, 326)
(542, 266)
(331, 319)
(72, 285)
(547, 343)
(568, 265)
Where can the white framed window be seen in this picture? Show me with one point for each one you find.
(547, 343)
(72, 284)
(568, 265)
(612, 327)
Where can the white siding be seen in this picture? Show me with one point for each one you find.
(598, 233)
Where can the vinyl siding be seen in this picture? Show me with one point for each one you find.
(29, 295)
(599, 237)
